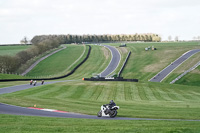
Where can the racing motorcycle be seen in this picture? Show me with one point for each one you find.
(105, 111)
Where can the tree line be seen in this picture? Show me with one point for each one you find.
(10, 64)
(68, 39)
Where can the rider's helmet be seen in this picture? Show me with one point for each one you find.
(111, 101)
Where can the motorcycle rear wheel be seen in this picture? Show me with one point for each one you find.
(99, 114)
(113, 113)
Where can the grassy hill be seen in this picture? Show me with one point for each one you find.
(12, 50)
(143, 65)
(59, 63)
(11, 76)
(191, 78)
(98, 60)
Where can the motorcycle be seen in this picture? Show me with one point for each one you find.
(105, 111)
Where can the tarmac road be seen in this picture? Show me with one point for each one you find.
(165, 72)
(16, 110)
(116, 57)
(26, 86)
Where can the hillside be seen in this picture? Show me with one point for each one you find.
(137, 100)
(145, 64)
(60, 63)
(12, 50)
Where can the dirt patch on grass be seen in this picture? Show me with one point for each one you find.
(94, 83)
(101, 83)
(164, 57)
(196, 71)
(80, 84)
(153, 68)
(106, 52)
(123, 50)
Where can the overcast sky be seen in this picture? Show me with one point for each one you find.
(19, 18)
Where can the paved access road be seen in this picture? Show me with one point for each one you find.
(116, 57)
(165, 72)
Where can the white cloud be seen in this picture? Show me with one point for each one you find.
(166, 17)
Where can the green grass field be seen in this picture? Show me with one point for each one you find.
(11, 76)
(191, 78)
(59, 63)
(139, 100)
(21, 124)
(143, 65)
(12, 50)
(98, 60)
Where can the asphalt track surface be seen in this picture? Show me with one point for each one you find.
(165, 72)
(16, 110)
(116, 57)
(26, 86)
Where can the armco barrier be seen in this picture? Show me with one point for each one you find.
(114, 79)
(70, 73)
(183, 74)
(124, 64)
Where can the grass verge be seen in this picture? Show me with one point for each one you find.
(12, 50)
(21, 124)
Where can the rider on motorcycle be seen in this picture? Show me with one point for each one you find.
(110, 105)
(108, 110)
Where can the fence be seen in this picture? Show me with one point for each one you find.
(180, 76)
(111, 79)
(124, 64)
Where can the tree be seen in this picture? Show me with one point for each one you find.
(24, 40)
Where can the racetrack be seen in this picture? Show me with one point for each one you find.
(116, 57)
(165, 72)
(25, 86)
(16, 110)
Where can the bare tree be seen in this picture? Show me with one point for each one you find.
(24, 40)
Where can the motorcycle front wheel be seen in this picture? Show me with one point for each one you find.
(99, 114)
(113, 113)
